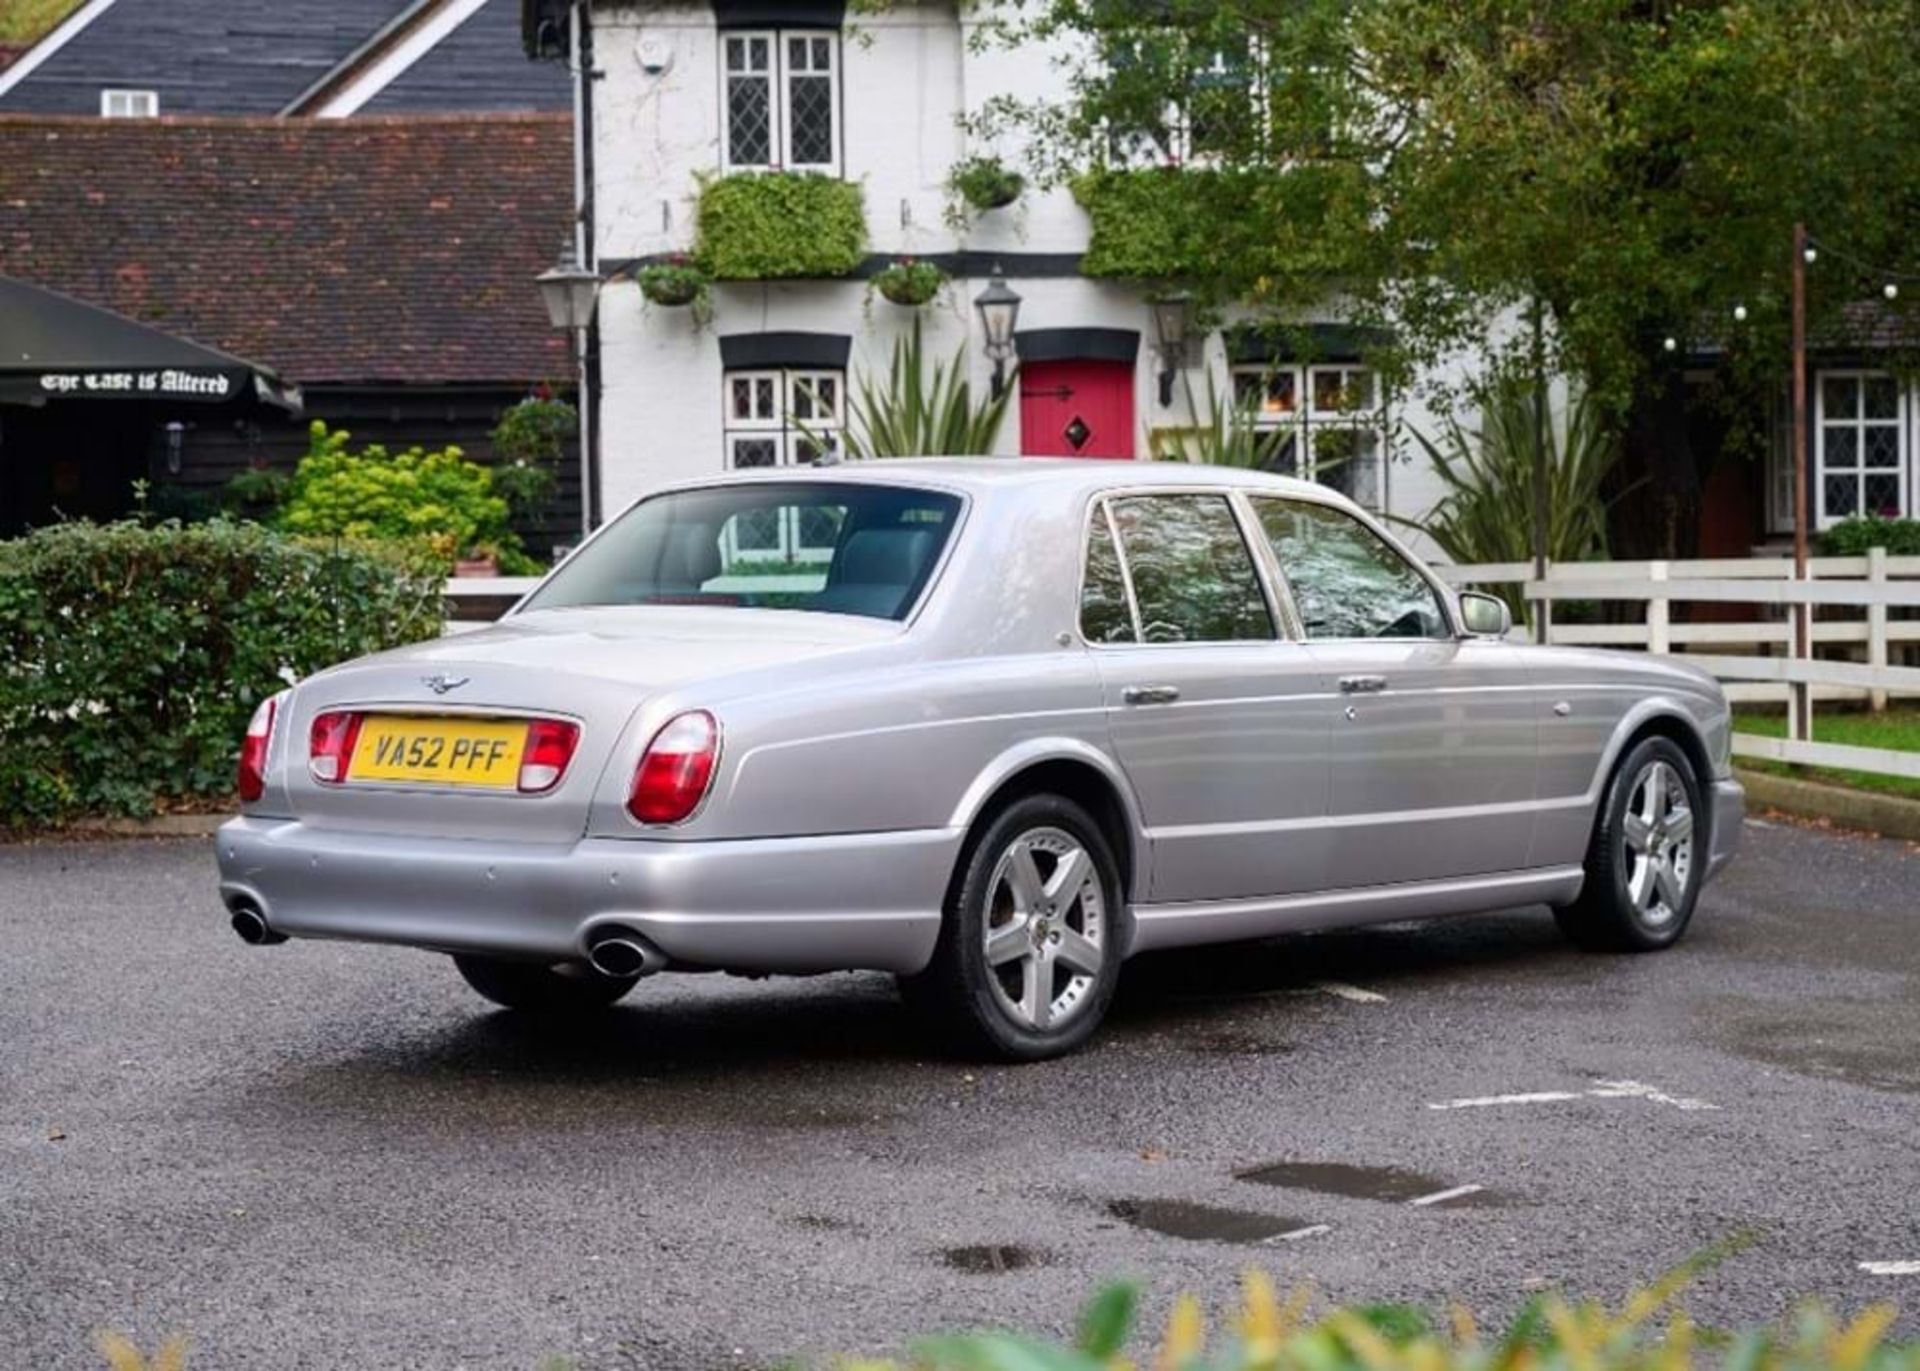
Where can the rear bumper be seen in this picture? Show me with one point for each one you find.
(1729, 815)
(843, 902)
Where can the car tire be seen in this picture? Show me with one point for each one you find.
(534, 987)
(1031, 938)
(1647, 855)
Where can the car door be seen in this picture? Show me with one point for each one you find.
(1218, 720)
(1431, 759)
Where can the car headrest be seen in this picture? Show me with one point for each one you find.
(691, 557)
(883, 556)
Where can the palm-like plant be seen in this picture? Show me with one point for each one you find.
(919, 412)
(1487, 513)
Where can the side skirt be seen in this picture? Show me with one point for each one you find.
(1218, 921)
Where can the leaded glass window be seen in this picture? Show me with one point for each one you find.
(782, 98)
(1861, 457)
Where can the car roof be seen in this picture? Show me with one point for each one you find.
(1057, 474)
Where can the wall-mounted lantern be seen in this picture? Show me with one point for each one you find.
(999, 308)
(1173, 326)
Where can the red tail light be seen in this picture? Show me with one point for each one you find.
(253, 749)
(330, 745)
(675, 770)
(550, 745)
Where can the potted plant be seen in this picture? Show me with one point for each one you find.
(674, 283)
(909, 281)
(986, 183)
(481, 559)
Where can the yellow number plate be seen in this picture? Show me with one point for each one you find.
(465, 752)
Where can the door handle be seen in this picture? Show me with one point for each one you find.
(1362, 685)
(1150, 694)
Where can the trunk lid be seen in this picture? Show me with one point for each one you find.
(596, 668)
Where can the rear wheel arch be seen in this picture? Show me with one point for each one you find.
(1070, 777)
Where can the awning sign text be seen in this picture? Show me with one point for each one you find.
(168, 382)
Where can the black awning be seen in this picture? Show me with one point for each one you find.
(54, 348)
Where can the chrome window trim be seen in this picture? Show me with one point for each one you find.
(1103, 501)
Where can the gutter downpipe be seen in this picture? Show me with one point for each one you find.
(580, 39)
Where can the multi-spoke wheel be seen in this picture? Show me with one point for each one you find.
(1031, 939)
(1641, 874)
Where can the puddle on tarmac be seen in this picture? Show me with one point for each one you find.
(992, 1259)
(1388, 1183)
(1203, 1222)
(1233, 1043)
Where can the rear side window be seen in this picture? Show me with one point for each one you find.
(1348, 581)
(1193, 577)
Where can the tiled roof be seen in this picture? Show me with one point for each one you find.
(384, 249)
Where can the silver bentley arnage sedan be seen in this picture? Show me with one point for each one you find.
(990, 725)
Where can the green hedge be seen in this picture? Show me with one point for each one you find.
(1172, 223)
(761, 225)
(131, 656)
(1852, 537)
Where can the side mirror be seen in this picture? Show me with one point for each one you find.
(1485, 616)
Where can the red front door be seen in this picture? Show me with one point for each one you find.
(1076, 409)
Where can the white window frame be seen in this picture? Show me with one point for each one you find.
(1307, 420)
(116, 103)
(793, 388)
(779, 77)
(1859, 423)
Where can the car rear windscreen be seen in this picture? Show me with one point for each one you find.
(807, 545)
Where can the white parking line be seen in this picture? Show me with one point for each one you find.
(1891, 1268)
(1341, 990)
(1601, 1090)
(1481, 1101)
(1616, 1090)
(1442, 1196)
(1312, 1230)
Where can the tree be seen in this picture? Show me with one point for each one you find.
(1631, 167)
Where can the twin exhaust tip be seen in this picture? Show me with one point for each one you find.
(252, 927)
(623, 954)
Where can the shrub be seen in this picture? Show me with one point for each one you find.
(132, 656)
(529, 444)
(922, 410)
(1853, 537)
(762, 225)
(437, 500)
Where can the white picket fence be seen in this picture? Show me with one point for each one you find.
(1861, 652)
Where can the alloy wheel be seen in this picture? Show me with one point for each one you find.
(1657, 842)
(1046, 928)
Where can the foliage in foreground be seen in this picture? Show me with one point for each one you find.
(1550, 1334)
(1487, 512)
(131, 656)
(923, 412)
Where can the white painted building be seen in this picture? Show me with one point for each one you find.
(690, 91)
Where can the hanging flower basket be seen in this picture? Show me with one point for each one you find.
(674, 283)
(909, 282)
(986, 183)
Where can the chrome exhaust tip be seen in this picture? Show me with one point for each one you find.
(623, 954)
(252, 927)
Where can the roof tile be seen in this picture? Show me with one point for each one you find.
(372, 249)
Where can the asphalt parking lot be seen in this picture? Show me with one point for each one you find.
(337, 1156)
